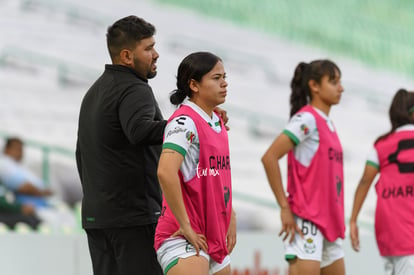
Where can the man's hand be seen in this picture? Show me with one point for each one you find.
(224, 117)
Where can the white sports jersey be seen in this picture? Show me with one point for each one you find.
(181, 136)
(302, 130)
(372, 158)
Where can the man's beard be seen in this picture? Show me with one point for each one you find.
(148, 74)
(151, 74)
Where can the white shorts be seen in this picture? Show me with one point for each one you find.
(313, 246)
(399, 265)
(178, 248)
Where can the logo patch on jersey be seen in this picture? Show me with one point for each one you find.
(309, 246)
(296, 118)
(304, 128)
(190, 136)
(226, 195)
(338, 185)
(189, 247)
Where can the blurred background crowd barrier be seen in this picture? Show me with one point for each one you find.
(376, 32)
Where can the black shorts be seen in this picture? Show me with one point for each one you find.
(123, 251)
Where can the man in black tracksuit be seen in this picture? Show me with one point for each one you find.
(119, 142)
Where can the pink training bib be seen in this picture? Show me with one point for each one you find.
(316, 192)
(394, 225)
(207, 196)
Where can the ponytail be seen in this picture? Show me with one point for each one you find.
(300, 94)
(400, 111)
(177, 96)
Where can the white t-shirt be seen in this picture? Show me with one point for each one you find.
(302, 130)
(372, 158)
(181, 136)
(13, 175)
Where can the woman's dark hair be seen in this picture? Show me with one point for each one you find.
(400, 111)
(193, 66)
(315, 70)
(126, 32)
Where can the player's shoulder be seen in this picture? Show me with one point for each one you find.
(302, 119)
(181, 123)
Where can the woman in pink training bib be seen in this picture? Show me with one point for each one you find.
(393, 158)
(196, 231)
(312, 215)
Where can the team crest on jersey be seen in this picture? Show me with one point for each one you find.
(338, 185)
(304, 128)
(309, 246)
(190, 136)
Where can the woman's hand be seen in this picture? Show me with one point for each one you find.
(354, 232)
(198, 241)
(289, 226)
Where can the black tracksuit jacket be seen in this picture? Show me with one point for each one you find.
(119, 141)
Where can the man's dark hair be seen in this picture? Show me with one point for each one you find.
(126, 32)
(11, 140)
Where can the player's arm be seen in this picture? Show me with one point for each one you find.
(297, 130)
(361, 192)
(270, 160)
(176, 144)
(168, 167)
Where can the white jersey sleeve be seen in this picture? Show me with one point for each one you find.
(300, 127)
(181, 136)
(372, 158)
(180, 133)
(303, 132)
